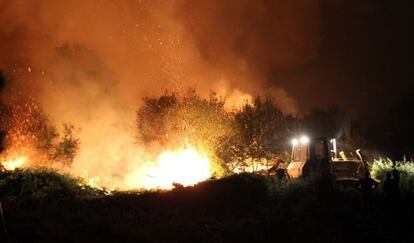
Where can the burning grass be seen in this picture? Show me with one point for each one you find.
(184, 167)
(13, 163)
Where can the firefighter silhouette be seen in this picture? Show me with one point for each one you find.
(367, 186)
(282, 174)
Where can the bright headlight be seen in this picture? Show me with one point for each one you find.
(304, 140)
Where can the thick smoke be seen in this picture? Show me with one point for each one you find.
(147, 46)
(90, 62)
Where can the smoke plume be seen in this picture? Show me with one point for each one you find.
(91, 62)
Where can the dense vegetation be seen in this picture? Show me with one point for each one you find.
(43, 183)
(239, 208)
(258, 131)
(380, 167)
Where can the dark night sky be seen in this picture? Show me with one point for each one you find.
(364, 61)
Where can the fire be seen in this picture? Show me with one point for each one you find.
(14, 163)
(94, 182)
(186, 167)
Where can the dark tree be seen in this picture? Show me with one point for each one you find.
(263, 132)
(151, 117)
(66, 149)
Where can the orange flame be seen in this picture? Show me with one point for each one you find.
(185, 166)
(14, 163)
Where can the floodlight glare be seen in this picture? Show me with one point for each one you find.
(295, 142)
(304, 140)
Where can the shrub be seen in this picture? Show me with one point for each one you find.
(42, 182)
(380, 167)
(231, 192)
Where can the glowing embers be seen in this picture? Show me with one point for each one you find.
(13, 163)
(186, 167)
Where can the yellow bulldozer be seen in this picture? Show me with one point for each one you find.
(313, 157)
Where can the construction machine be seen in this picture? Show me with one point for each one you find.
(314, 157)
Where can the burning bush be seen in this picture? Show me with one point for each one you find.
(26, 127)
(173, 120)
(29, 133)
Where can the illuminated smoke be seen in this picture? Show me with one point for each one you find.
(91, 62)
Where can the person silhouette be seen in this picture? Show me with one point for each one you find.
(388, 189)
(395, 186)
(324, 189)
(282, 174)
(367, 186)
